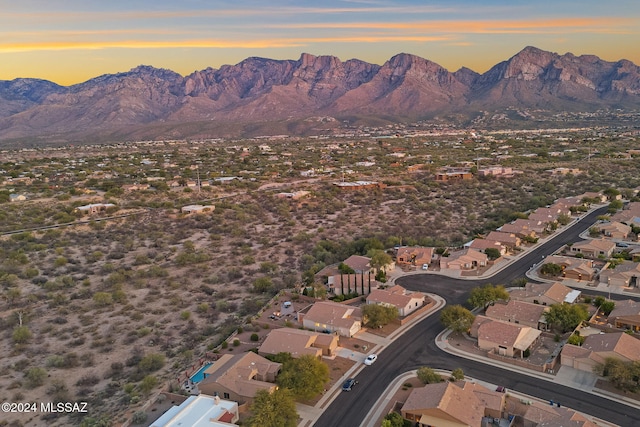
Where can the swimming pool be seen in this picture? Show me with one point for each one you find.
(199, 376)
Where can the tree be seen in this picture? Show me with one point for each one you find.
(377, 315)
(148, 383)
(492, 253)
(305, 376)
(394, 419)
(481, 297)
(277, 409)
(262, 284)
(566, 316)
(607, 307)
(35, 377)
(379, 258)
(21, 335)
(564, 219)
(456, 317)
(457, 374)
(576, 339)
(428, 375)
(551, 269)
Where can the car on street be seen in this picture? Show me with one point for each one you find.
(348, 384)
(370, 359)
(425, 266)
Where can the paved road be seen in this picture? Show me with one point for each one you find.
(417, 348)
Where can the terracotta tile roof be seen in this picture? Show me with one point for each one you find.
(597, 244)
(332, 313)
(448, 399)
(396, 296)
(235, 372)
(554, 291)
(508, 334)
(625, 308)
(621, 343)
(517, 311)
(288, 340)
(501, 237)
(358, 263)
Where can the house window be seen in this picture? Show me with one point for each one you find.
(225, 395)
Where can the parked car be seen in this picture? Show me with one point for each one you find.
(425, 266)
(370, 359)
(348, 384)
(501, 389)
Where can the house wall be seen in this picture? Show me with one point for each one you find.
(484, 344)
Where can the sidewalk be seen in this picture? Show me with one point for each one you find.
(566, 376)
(309, 414)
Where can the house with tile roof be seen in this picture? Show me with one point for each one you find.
(509, 240)
(413, 255)
(239, 377)
(359, 264)
(466, 259)
(629, 215)
(574, 268)
(625, 274)
(594, 248)
(331, 316)
(614, 229)
(452, 404)
(520, 229)
(396, 296)
(538, 414)
(342, 284)
(598, 347)
(545, 293)
(625, 315)
(503, 338)
(298, 342)
(481, 245)
(519, 312)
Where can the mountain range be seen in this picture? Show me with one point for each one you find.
(258, 96)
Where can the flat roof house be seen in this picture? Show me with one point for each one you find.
(200, 411)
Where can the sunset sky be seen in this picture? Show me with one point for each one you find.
(72, 41)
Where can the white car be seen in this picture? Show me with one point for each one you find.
(370, 359)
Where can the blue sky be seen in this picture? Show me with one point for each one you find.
(71, 41)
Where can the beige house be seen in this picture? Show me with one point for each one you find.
(503, 338)
(298, 342)
(545, 294)
(450, 404)
(519, 312)
(359, 264)
(239, 377)
(510, 240)
(630, 214)
(625, 274)
(466, 259)
(574, 268)
(331, 317)
(521, 230)
(481, 245)
(396, 296)
(361, 283)
(625, 315)
(615, 230)
(408, 255)
(594, 248)
(598, 347)
(95, 208)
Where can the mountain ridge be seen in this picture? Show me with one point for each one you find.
(145, 100)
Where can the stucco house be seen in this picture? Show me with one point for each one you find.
(459, 404)
(625, 315)
(614, 229)
(410, 255)
(545, 293)
(396, 296)
(594, 248)
(481, 245)
(598, 347)
(298, 342)
(503, 338)
(239, 377)
(331, 317)
(519, 312)
(574, 268)
(190, 209)
(466, 259)
(200, 411)
(625, 274)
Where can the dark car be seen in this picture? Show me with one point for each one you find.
(348, 384)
